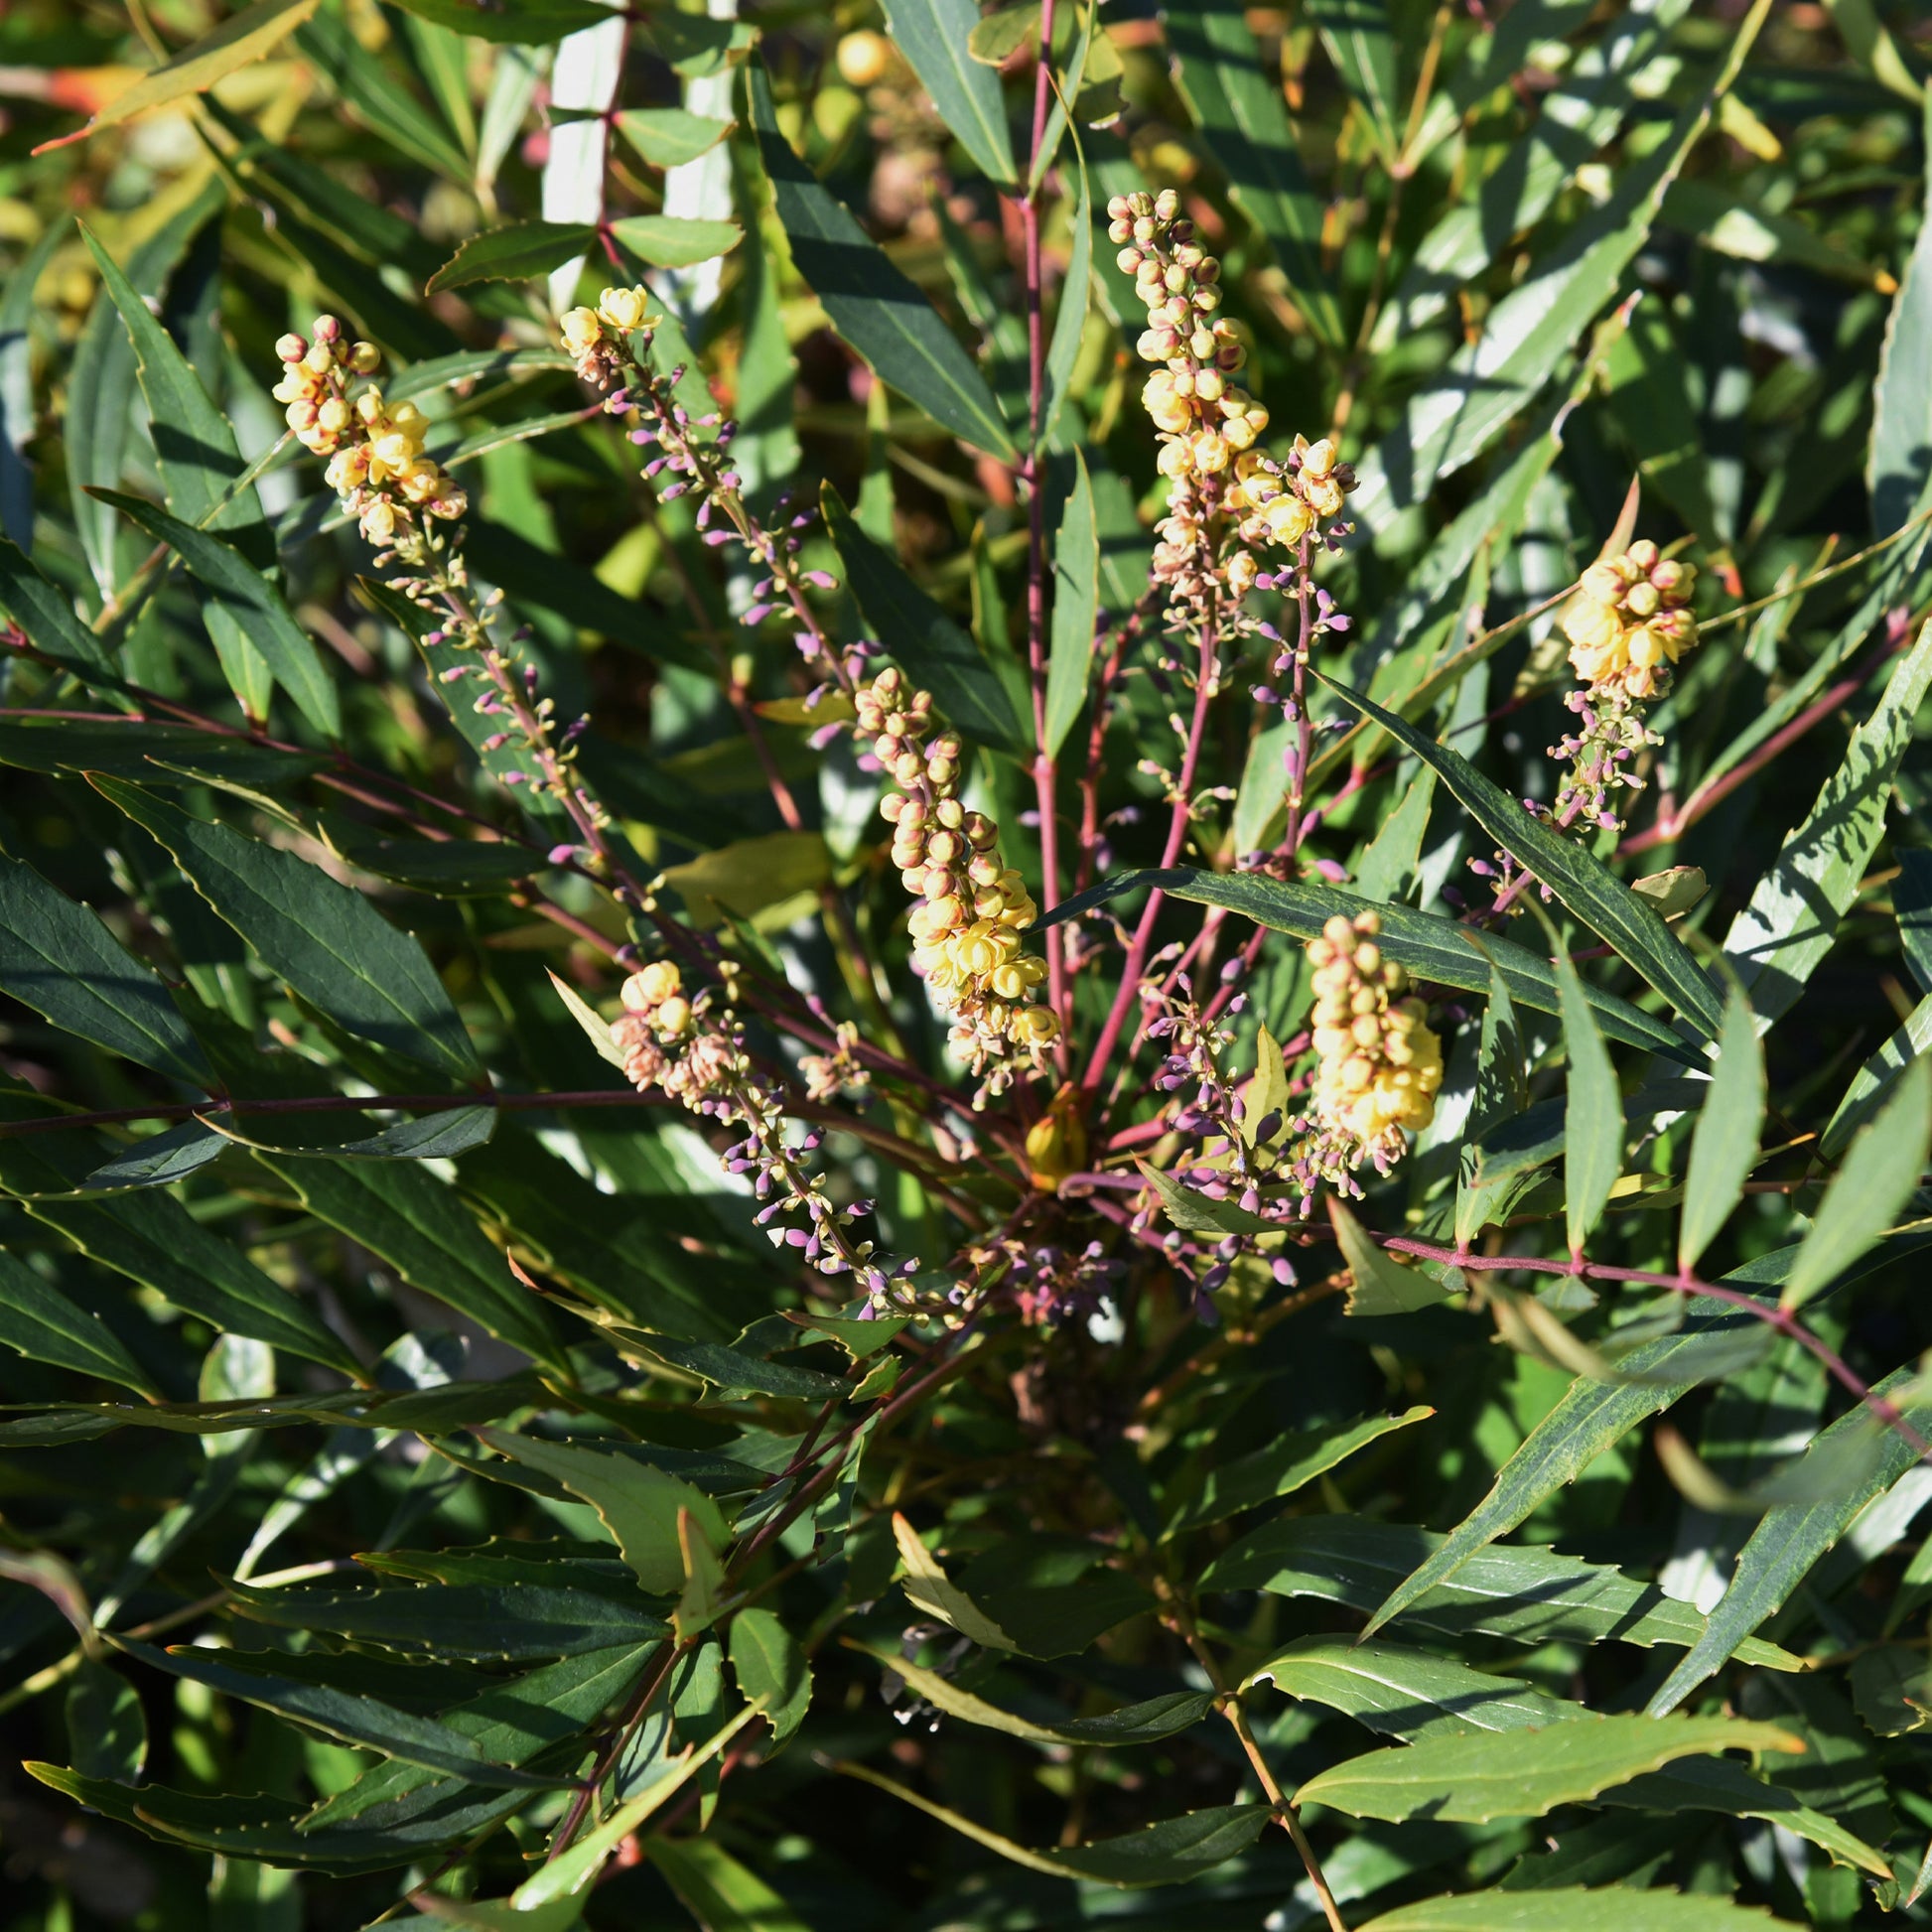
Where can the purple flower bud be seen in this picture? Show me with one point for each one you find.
(562, 855)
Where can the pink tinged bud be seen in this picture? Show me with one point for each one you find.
(562, 855)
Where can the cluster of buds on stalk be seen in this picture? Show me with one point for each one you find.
(1208, 424)
(691, 1048)
(376, 462)
(973, 908)
(610, 346)
(1628, 624)
(1377, 1063)
(1048, 1284)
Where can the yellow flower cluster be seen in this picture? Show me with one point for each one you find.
(1378, 1063)
(586, 332)
(1626, 621)
(973, 906)
(377, 461)
(1211, 428)
(668, 1043)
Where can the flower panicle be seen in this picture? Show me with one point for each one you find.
(1628, 622)
(1378, 1066)
(1210, 427)
(972, 905)
(610, 347)
(377, 464)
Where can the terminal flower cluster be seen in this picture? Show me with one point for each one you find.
(973, 906)
(610, 346)
(1628, 624)
(376, 460)
(691, 1048)
(1377, 1063)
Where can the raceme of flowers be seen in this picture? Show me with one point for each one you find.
(376, 462)
(1377, 1063)
(1209, 426)
(973, 906)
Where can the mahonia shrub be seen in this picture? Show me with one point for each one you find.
(908, 1021)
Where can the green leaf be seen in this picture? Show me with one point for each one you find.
(1900, 461)
(60, 959)
(420, 1227)
(38, 1320)
(735, 1371)
(1529, 333)
(1431, 948)
(871, 304)
(1076, 609)
(1724, 1145)
(1779, 940)
(1572, 1909)
(106, 1728)
(1593, 1120)
(520, 23)
(46, 615)
(520, 252)
(1360, 40)
(243, 38)
(1243, 123)
(1197, 1214)
(488, 1623)
(380, 99)
(510, 1723)
(1525, 1773)
(1166, 1853)
(101, 409)
(1407, 1694)
(240, 589)
(720, 1892)
(17, 387)
(1626, 922)
(193, 443)
(927, 1585)
(934, 35)
(153, 1239)
(1389, 861)
(326, 940)
(1281, 1469)
(1721, 1785)
(769, 1665)
(637, 1504)
(1875, 1080)
(1133, 1723)
(1793, 1536)
(668, 137)
(1869, 1191)
(1379, 1283)
(674, 240)
(1579, 113)
(1069, 324)
(350, 1719)
(1532, 1595)
(933, 652)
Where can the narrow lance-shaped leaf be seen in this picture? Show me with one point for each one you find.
(1430, 947)
(1724, 1142)
(1076, 609)
(1379, 1283)
(771, 1670)
(1525, 1773)
(1077, 295)
(256, 606)
(1792, 1537)
(1592, 1142)
(1360, 39)
(44, 614)
(932, 35)
(1870, 1190)
(242, 38)
(1574, 1908)
(46, 1326)
(930, 647)
(872, 305)
(1603, 903)
(1901, 405)
(60, 959)
(1778, 940)
(326, 939)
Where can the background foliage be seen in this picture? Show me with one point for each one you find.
(417, 1462)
